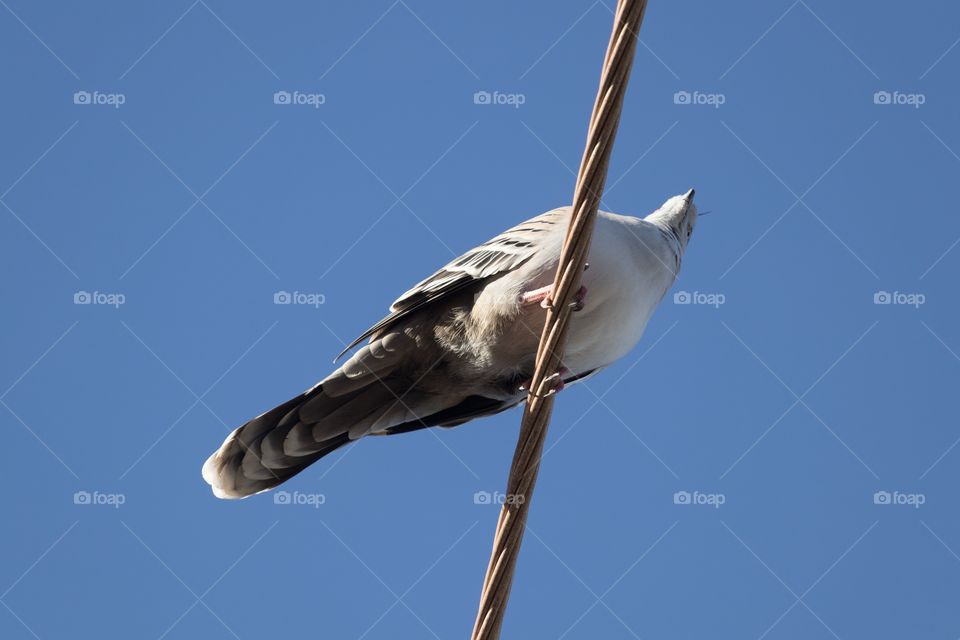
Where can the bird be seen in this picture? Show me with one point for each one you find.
(462, 343)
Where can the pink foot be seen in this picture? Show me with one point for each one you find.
(543, 296)
(555, 382)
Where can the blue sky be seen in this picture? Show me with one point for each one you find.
(776, 459)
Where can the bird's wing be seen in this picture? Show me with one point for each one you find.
(499, 255)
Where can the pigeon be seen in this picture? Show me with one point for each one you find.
(462, 343)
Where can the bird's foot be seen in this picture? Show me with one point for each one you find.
(554, 382)
(544, 295)
(534, 296)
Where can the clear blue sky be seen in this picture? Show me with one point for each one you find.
(176, 189)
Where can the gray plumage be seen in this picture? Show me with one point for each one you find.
(461, 344)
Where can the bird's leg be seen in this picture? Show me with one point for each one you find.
(554, 381)
(543, 295)
(536, 295)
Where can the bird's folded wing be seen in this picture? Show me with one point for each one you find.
(499, 255)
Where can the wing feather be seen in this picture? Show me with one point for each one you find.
(499, 255)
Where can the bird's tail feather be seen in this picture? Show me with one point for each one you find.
(274, 447)
(284, 441)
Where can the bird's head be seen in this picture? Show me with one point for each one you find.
(677, 215)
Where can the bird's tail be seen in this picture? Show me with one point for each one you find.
(284, 441)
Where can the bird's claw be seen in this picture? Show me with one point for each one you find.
(579, 300)
(554, 381)
(543, 295)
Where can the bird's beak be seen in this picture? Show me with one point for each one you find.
(688, 196)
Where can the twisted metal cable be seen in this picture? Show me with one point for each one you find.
(536, 417)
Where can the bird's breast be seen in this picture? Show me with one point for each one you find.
(623, 290)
